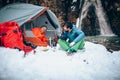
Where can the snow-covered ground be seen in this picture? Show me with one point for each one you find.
(96, 63)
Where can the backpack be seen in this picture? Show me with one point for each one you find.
(11, 36)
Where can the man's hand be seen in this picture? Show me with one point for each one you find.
(71, 44)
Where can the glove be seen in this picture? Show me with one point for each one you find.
(71, 44)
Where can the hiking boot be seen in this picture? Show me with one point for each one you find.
(69, 54)
(30, 44)
(33, 46)
(70, 51)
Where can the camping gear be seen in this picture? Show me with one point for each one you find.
(11, 36)
(43, 41)
(29, 16)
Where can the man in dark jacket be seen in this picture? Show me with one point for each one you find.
(72, 38)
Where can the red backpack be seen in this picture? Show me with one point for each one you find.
(11, 36)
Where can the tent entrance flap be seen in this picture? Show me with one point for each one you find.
(44, 19)
(40, 21)
(50, 20)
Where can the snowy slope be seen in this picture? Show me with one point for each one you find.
(96, 63)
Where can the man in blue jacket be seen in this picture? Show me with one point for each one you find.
(72, 38)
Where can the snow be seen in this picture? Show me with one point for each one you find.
(95, 63)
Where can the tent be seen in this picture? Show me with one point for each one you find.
(29, 16)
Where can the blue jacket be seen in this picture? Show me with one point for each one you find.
(74, 35)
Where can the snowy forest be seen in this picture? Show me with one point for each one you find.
(98, 60)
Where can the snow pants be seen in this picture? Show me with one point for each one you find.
(65, 45)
